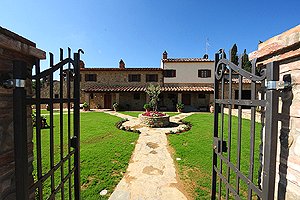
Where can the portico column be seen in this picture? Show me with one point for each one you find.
(147, 98)
(118, 98)
(179, 98)
(87, 98)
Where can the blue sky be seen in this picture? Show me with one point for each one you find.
(138, 31)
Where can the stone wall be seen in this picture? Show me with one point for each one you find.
(285, 49)
(13, 47)
(45, 92)
(120, 77)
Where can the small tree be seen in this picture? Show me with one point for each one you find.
(246, 64)
(153, 91)
(234, 58)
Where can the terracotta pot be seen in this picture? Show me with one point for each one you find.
(211, 109)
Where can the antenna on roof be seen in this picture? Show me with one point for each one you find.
(206, 46)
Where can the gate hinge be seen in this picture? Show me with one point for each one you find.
(74, 142)
(285, 84)
(217, 145)
(12, 83)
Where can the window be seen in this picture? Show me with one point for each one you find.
(169, 73)
(151, 77)
(91, 96)
(56, 96)
(91, 77)
(201, 96)
(204, 73)
(134, 77)
(137, 96)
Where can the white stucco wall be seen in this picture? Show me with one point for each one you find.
(187, 72)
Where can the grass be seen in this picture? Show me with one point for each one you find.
(105, 153)
(136, 113)
(195, 150)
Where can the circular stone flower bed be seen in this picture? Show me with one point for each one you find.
(155, 119)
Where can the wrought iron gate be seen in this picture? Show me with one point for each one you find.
(56, 149)
(244, 152)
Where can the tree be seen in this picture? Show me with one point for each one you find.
(234, 58)
(246, 64)
(153, 91)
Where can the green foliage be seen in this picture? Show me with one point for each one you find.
(153, 91)
(180, 106)
(115, 105)
(195, 150)
(234, 58)
(246, 64)
(85, 105)
(147, 106)
(105, 153)
(43, 120)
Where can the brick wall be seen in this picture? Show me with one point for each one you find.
(13, 47)
(285, 48)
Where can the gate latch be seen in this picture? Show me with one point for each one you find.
(285, 84)
(8, 83)
(74, 142)
(217, 145)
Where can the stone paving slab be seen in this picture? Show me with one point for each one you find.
(151, 174)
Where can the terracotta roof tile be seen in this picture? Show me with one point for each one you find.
(244, 80)
(122, 69)
(94, 87)
(186, 60)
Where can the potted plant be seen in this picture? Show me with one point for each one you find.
(211, 107)
(115, 106)
(85, 106)
(47, 107)
(147, 107)
(180, 107)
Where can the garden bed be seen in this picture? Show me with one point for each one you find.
(155, 122)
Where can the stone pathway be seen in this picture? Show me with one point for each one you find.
(151, 173)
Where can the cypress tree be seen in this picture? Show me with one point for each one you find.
(246, 64)
(234, 58)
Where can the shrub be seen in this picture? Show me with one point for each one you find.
(180, 106)
(147, 106)
(85, 105)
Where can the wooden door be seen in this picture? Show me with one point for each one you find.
(107, 101)
(186, 99)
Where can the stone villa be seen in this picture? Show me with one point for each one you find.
(186, 80)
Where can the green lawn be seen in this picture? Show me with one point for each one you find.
(195, 150)
(136, 113)
(105, 153)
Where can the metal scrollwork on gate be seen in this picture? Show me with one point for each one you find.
(238, 143)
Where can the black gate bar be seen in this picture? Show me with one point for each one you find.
(20, 130)
(271, 131)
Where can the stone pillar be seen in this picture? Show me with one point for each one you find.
(179, 98)
(147, 98)
(13, 47)
(285, 49)
(118, 98)
(87, 98)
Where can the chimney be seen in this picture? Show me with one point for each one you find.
(121, 64)
(205, 56)
(165, 55)
(81, 64)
